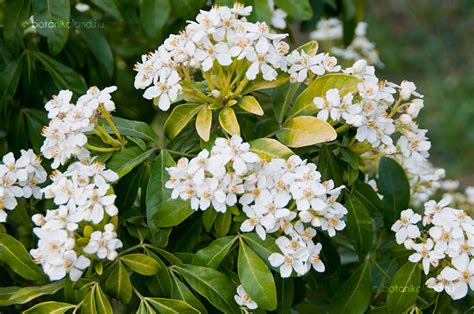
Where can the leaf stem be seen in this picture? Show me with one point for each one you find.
(379, 268)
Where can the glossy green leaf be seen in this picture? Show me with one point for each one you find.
(214, 253)
(118, 283)
(222, 223)
(170, 306)
(228, 121)
(179, 118)
(305, 131)
(46, 12)
(141, 263)
(50, 307)
(99, 47)
(172, 212)
(359, 226)
(285, 291)
(404, 288)
(10, 77)
(355, 294)
(14, 254)
(282, 97)
(160, 283)
(18, 295)
(157, 193)
(260, 83)
(180, 291)
(153, 15)
(136, 128)
(64, 77)
(304, 103)
(329, 166)
(250, 104)
(211, 284)
(203, 123)
(125, 161)
(268, 148)
(263, 248)
(368, 197)
(256, 278)
(15, 14)
(101, 301)
(395, 188)
(300, 10)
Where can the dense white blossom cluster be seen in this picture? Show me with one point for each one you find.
(280, 195)
(222, 37)
(19, 178)
(360, 47)
(385, 115)
(65, 135)
(443, 241)
(84, 198)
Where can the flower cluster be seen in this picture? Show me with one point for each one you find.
(445, 242)
(219, 38)
(19, 178)
(65, 135)
(385, 116)
(280, 195)
(85, 205)
(360, 47)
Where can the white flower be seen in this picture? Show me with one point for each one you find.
(330, 106)
(405, 228)
(59, 104)
(243, 299)
(426, 255)
(315, 259)
(290, 259)
(460, 277)
(104, 244)
(165, 87)
(407, 89)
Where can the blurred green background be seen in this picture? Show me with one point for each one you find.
(431, 42)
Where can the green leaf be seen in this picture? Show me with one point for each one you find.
(208, 218)
(99, 47)
(172, 212)
(250, 104)
(63, 76)
(109, 6)
(118, 283)
(179, 118)
(125, 161)
(17, 295)
(404, 287)
(222, 223)
(368, 197)
(88, 306)
(260, 83)
(101, 301)
(180, 291)
(268, 148)
(50, 307)
(282, 97)
(285, 291)
(329, 166)
(310, 48)
(256, 278)
(212, 255)
(355, 294)
(211, 284)
(359, 226)
(169, 306)
(141, 263)
(228, 121)
(153, 15)
(57, 14)
(160, 283)
(203, 123)
(15, 20)
(305, 131)
(14, 254)
(300, 10)
(304, 103)
(35, 120)
(395, 188)
(157, 193)
(263, 248)
(136, 128)
(10, 77)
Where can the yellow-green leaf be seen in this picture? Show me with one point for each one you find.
(250, 104)
(306, 130)
(141, 263)
(50, 307)
(268, 148)
(228, 121)
(311, 48)
(170, 306)
(203, 123)
(304, 103)
(179, 118)
(118, 284)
